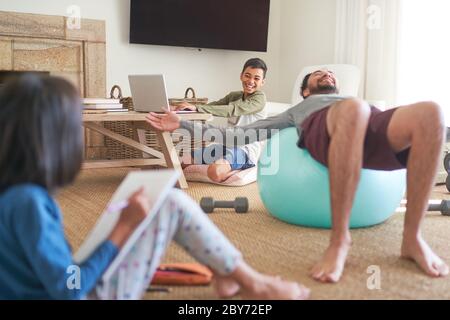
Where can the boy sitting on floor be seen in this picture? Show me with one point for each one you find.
(241, 108)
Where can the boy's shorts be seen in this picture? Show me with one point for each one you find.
(378, 154)
(237, 157)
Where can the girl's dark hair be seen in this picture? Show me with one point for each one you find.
(40, 132)
(256, 63)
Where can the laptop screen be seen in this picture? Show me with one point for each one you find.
(149, 92)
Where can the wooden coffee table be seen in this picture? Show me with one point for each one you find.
(167, 158)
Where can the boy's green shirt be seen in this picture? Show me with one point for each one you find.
(234, 105)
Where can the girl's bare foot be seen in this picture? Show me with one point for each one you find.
(274, 288)
(256, 286)
(416, 249)
(226, 287)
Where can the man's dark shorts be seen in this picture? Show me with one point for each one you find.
(378, 154)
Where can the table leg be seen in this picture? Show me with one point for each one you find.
(139, 135)
(171, 156)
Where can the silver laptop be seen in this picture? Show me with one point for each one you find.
(149, 93)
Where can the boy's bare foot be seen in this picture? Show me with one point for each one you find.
(416, 249)
(331, 267)
(186, 161)
(226, 287)
(274, 288)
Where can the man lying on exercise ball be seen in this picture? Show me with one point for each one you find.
(346, 134)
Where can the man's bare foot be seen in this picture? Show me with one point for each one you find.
(416, 249)
(331, 267)
(274, 288)
(225, 287)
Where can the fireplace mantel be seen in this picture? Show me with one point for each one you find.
(32, 42)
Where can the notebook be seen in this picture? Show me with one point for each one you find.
(149, 93)
(158, 184)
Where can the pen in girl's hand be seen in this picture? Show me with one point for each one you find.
(119, 206)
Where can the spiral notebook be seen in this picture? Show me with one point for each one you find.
(157, 183)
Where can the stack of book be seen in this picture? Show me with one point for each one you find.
(103, 105)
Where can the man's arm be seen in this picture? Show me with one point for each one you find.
(227, 107)
(233, 136)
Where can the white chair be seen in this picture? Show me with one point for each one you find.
(348, 82)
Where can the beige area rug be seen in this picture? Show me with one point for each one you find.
(274, 247)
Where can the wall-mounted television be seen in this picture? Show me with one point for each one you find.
(218, 24)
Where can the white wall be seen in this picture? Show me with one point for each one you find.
(301, 32)
(307, 38)
(211, 72)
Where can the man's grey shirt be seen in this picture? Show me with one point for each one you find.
(261, 130)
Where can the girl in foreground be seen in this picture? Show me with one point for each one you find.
(41, 150)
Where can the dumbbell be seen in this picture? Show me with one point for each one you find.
(447, 162)
(443, 207)
(240, 205)
(447, 168)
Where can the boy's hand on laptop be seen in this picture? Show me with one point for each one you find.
(185, 106)
(169, 121)
(131, 216)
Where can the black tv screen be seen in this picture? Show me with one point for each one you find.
(218, 24)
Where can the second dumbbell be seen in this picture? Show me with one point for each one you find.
(443, 207)
(240, 204)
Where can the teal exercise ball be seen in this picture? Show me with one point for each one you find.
(295, 188)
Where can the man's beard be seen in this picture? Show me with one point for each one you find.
(324, 89)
